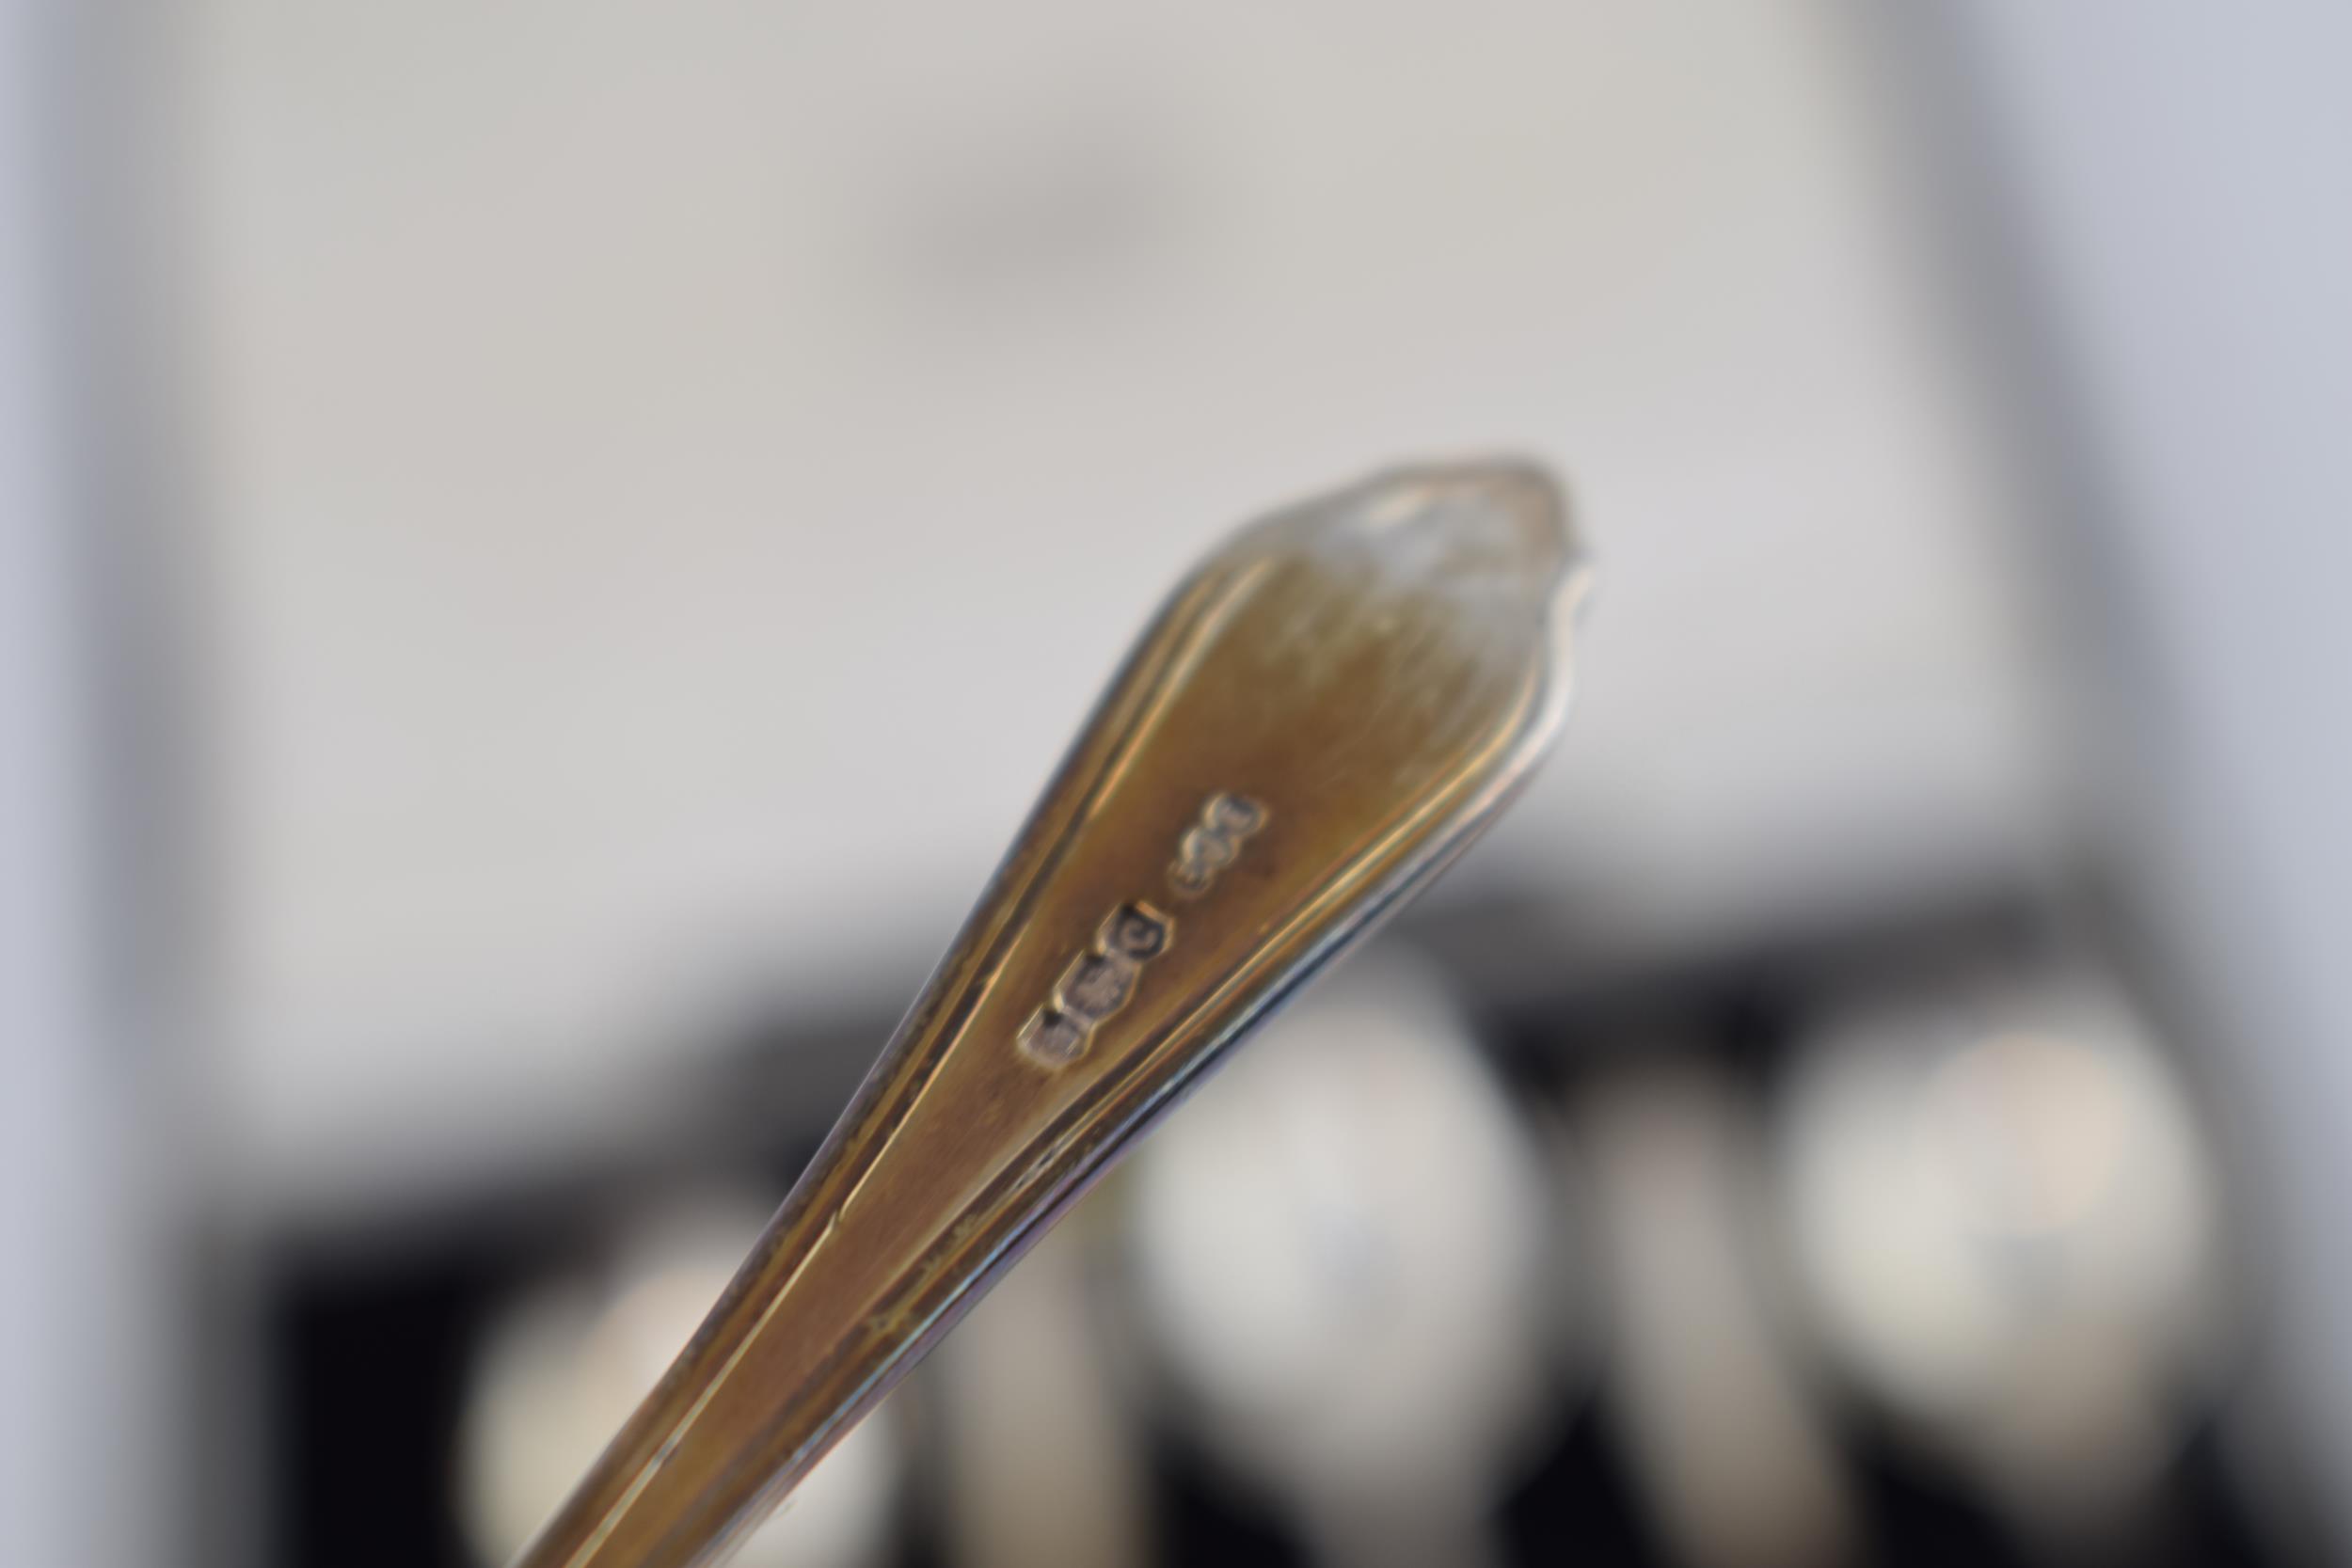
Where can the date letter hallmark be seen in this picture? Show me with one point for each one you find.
(1210, 844)
(1100, 980)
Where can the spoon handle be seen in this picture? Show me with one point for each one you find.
(1319, 719)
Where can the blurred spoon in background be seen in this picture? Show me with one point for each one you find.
(2007, 1220)
(1342, 1254)
(1728, 1448)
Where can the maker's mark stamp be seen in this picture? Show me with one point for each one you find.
(1210, 844)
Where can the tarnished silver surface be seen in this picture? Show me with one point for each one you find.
(1321, 717)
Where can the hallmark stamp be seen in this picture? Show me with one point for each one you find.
(1103, 979)
(1097, 984)
(1210, 844)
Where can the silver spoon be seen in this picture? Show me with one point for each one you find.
(1321, 717)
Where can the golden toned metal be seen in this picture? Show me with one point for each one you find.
(1321, 717)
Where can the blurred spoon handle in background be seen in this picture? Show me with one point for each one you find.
(1321, 717)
